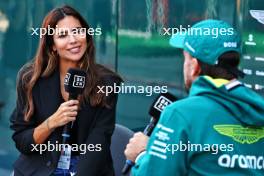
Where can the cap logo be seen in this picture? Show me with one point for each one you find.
(230, 44)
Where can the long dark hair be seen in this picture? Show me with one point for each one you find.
(46, 62)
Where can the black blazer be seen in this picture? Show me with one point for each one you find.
(95, 126)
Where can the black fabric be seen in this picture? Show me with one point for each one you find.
(120, 139)
(94, 125)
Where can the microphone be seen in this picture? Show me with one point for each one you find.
(163, 100)
(74, 84)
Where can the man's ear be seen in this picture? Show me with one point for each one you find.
(196, 69)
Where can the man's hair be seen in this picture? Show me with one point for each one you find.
(225, 69)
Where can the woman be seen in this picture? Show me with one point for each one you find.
(42, 108)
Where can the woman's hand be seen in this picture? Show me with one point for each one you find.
(67, 112)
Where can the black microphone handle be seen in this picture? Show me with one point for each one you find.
(73, 96)
(152, 123)
(147, 131)
(68, 126)
(154, 112)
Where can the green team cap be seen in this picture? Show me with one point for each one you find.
(207, 40)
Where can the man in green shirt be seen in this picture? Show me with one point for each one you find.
(219, 128)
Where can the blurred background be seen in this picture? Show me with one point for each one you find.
(131, 44)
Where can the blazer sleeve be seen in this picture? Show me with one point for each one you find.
(100, 134)
(23, 130)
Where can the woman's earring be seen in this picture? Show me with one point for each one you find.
(54, 53)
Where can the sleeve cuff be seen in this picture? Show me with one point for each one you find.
(140, 156)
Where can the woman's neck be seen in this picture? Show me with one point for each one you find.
(64, 67)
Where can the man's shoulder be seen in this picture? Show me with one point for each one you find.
(190, 103)
(190, 107)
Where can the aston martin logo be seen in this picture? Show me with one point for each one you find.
(241, 134)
